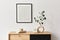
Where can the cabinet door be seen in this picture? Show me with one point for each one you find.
(19, 37)
(40, 37)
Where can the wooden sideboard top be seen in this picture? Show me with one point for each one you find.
(30, 33)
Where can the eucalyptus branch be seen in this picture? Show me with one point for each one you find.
(41, 18)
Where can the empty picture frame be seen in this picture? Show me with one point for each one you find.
(23, 12)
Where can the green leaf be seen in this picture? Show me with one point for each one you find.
(34, 17)
(37, 21)
(44, 18)
(43, 11)
(41, 22)
(43, 15)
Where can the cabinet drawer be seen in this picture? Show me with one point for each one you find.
(19, 37)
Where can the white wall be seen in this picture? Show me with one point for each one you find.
(8, 17)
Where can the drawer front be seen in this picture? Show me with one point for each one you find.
(19, 37)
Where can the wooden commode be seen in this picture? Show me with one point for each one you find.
(30, 36)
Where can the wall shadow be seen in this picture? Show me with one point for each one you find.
(54, 37)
